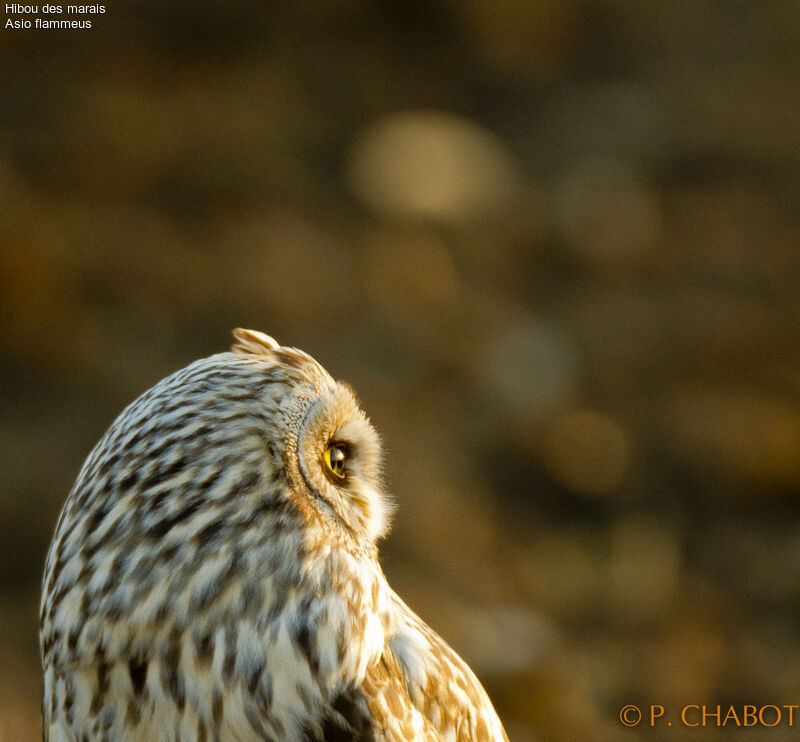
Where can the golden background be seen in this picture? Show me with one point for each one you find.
(553, 244)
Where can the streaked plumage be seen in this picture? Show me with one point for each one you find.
(214, 575)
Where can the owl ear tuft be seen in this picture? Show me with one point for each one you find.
(253, 342)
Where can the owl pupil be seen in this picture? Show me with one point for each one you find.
(335, 457)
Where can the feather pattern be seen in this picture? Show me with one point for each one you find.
(210, 579)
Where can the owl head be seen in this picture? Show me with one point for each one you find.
(200, 498)
(207, 450)
(320, 439)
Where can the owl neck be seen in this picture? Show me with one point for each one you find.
(344, 604)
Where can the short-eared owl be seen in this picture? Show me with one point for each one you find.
(213, 576)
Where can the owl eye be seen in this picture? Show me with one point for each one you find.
(334, 457)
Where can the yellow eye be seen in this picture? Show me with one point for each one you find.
(334, 457)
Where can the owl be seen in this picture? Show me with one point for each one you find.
(214, 574)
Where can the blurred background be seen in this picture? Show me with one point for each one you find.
(553, 244)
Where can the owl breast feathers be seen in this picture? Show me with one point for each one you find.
(213, 576)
